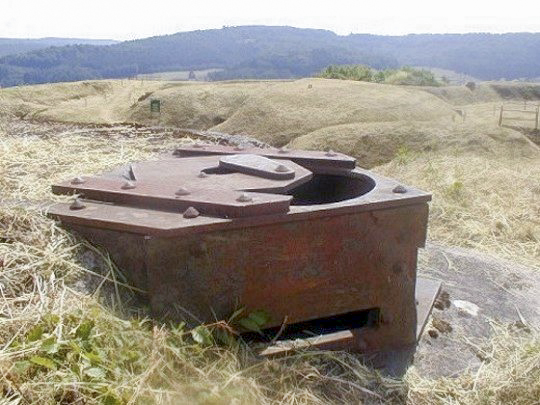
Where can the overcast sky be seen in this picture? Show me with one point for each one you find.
(129, 19)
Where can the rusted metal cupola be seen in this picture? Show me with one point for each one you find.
(306, 236)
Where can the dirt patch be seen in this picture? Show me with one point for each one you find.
(503, 292)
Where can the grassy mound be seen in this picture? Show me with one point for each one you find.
(196, 105)
(104, 101)
(287, 110)
(487, 92)
(275, 112)
(380, 142)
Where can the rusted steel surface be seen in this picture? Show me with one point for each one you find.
(322, 243)
(220, 203)
(302, 157)
(124, 218)
(258, 166)
(187, 173)
(426, 292)
(299, 271)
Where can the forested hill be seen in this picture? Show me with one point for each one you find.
(9, 46)
(251, 51)
(485, 56)
(277, 52)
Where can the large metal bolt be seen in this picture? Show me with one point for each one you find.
(77, 205)
(191, 212)
(78, 180)
(399, 189)
(244, 198)
(182, 191)
(331, 153)
(282, 169)
(202, 175)
(128, 185)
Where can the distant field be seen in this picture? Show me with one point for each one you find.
(453, 78)
(179, 75)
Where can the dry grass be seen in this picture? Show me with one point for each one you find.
(510, 374)
(46, 306)
(487, 92)
(376, 143)
(272, 111)
(489, 204)
(285, 111)
(70, 334)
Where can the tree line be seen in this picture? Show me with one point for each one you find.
(276, 52)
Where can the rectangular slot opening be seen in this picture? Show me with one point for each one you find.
(367, 318)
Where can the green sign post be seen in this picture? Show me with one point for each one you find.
(155, 106)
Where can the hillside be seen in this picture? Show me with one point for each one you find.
(252, 51)
(357, 117)
(277, 52)
(11, 46)
(273, 111)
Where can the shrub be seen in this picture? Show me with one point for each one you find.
(403, 76)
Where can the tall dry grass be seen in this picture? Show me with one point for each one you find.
(68, 332)
(491, 204)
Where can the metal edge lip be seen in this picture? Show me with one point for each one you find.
(212, 224)
(379, 198)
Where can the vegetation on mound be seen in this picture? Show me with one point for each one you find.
(377, 143)
(273, 112)
(403, 76)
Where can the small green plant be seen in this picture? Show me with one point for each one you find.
(455, 190)
(255, 321)
(403, 155)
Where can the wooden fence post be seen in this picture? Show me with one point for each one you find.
(501, 116)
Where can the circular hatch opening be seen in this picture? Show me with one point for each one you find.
(326, 188)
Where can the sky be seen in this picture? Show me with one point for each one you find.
(123, 19)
